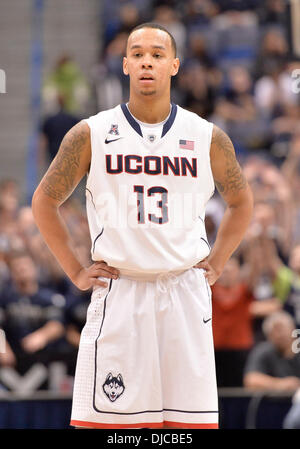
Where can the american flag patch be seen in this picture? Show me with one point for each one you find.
(186, 144)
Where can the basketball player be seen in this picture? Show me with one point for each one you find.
(146, 352)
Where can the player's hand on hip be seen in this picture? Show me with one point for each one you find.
(89, 277)
(209, 272)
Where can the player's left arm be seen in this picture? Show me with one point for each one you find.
(235, 191)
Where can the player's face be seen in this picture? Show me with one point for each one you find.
(150, 62)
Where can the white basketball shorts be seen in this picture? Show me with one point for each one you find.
(146, 356)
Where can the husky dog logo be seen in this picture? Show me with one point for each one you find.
(113, 387)
(114, 130)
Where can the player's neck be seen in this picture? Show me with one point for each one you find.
(149, 111)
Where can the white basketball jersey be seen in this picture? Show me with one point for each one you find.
(146, 195)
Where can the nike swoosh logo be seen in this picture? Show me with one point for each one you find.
(113, 140)
(206, 321)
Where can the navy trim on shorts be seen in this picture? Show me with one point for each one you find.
(208, 293)
(201, 238)
(129, 413)
(104, 309)
(101, 232)
(92, 199)
(99, 235)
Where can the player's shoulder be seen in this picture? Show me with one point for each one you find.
(193, 123)
(190, 116)
(103, 116)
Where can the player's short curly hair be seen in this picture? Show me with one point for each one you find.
(156, 26)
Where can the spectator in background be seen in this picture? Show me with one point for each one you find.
(9, 204)
(232, 323)
(198, 13)
(31, 316)
(286, 279)
(272, 12)
(109, 82)
(199, 80)
(125, 18)
(237, 112)
(270, 93)
(237, 5)
(198, 50)
(49, 271)
(237, 31)
(77, 303)
(53, 129)
(26, 237)
(197, 95)
(121, 15)
(283, 129)
(291, 171)
(272, 364)
(266, 301)
(50, 274)
(274, 209)
(273, 49)
(272, 223)
(129, 17)
(267, 227)
(255, 251)
(66, 80)
(168, 17)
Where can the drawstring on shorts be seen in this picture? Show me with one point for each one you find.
(165, 281)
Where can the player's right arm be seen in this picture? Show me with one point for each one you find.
(69, 166)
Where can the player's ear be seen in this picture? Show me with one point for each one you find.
(125, 68)
(175, 67)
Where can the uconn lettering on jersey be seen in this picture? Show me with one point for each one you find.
(151, 165)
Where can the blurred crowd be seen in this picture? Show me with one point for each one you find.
(236, 71)
(41, 312)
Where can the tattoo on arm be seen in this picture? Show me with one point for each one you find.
(234, 180)
(60, 179)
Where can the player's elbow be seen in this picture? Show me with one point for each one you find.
(37, 201)
(40, 202)
(242, 203)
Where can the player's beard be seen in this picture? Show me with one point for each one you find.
(147, 92)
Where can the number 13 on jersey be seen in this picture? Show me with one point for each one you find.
(161, 214)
